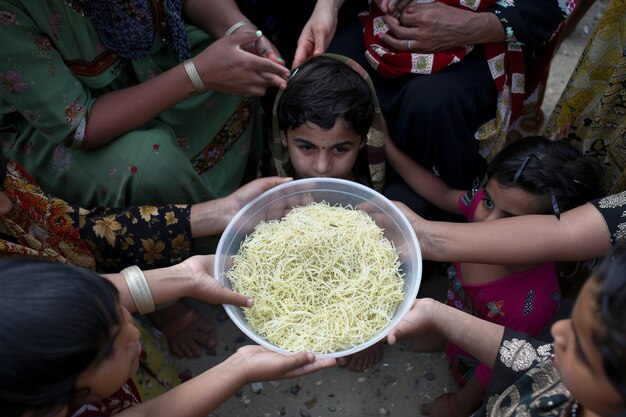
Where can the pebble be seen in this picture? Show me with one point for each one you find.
(257, 387)
(332, 408)
(429, 376)
(362, 379)
(310, 403)
(305, 413)
(382, 411)
(295, 389)
(318, 383)
(246, 401)
(282, 411)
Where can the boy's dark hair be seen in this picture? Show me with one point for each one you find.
(612, 310)
(554, 169)
(323, 90)
(57, 320)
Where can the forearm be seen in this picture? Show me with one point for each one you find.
(580, 234)
(210, 218)
(166, 284)
(478, 337)
(421, 180)
(121, 111)
(197, 397)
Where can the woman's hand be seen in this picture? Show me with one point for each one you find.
(317, 33)
(212, 217)
(250, 191)
(260, 364)
(436, 27)
(207, 288)
(226, 67)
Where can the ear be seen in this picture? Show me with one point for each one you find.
(5, 204)
(283, 139)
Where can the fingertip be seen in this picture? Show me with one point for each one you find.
(248, 302)
(258, 33)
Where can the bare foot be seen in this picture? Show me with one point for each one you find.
(187, 331)
(362, 360)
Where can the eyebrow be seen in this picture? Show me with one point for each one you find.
(306, 142)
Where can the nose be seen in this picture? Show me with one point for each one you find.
(322, 164)
(559, 333)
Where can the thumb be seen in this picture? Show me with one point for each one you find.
(228, 296)
(320, 43)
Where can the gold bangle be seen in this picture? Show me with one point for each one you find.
(139, 290)
(193, 75)
(236, 26)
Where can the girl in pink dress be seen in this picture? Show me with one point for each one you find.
(530, 176)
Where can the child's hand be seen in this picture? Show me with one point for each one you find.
(260, 364)
(417, 321)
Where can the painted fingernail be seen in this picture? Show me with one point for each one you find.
(258, 33)
(280, 59)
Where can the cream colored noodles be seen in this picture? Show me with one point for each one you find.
(323, 279)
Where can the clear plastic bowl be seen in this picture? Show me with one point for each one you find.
(277, 202)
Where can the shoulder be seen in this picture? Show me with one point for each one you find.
(613, 210)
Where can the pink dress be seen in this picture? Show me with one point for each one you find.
(524, 301)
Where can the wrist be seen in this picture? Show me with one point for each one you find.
(235, 27)
(209, 218)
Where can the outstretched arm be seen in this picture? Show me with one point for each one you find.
(212, 217)
(201, 395)
(478, 337)
(190, 278)
(580, 234)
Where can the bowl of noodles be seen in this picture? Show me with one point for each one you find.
(331, 266)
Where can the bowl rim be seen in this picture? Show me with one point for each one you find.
(399, 218)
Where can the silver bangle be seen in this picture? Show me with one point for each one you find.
(193, 75)
(236, 26)
(79, 135)
(139, 290)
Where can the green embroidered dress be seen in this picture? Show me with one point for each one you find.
(52, 68)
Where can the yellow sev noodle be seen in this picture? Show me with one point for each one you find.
(323, 279)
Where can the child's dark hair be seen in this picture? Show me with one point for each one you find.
(612, 311)
(323, 90)
(57, 320)
(554, 169)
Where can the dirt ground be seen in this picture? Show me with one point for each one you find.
(403, 379)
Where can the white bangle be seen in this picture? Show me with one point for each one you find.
(139, 290)
(236, 26)
(193, 75)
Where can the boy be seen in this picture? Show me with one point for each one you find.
(327, 123)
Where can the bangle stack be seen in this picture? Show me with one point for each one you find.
(139, 290)
(236, 26)
(192, 72)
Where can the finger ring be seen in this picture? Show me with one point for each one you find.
(409, 45)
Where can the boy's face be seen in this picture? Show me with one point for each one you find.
(315, 152)
(579, 360)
